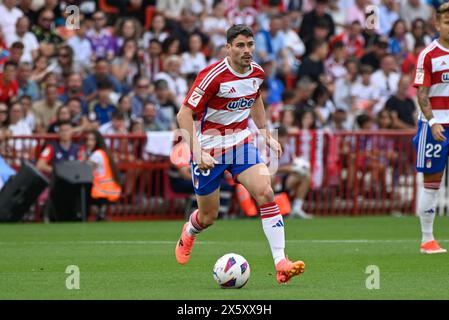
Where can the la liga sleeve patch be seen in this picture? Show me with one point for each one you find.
(195, 97)
(419, 77)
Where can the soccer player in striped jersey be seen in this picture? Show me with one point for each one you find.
(222, 98)
(431, 140)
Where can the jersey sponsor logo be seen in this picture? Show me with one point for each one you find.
(195, 97)
(445, 77)
(241, 104)
(419, 78)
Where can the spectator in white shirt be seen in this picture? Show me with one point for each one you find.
(31, 46)
(194, 60)
(81, 45)
(215, 26)
(365, 94)
(176, 83)
(157, 31)
(386, 79)
(8, 16)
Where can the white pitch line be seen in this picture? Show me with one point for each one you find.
(166, 242)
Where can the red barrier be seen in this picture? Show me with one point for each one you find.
(353, 173)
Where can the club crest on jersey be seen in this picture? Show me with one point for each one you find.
(242, 103)
(445, 77)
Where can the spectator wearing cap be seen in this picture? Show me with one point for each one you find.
(102, 42)
(270, 44)
(373, 57)
(26, 85)
(388, 14)
(8, 82)
(414, 9)
(101, 73)
(81, 45)
(313, 65)
(141, 94)
(176, 83)
(9, 15)
(27, 38)
(45, 109)
(102, 108)
(46, 34)
(193, 61)
(311, 18)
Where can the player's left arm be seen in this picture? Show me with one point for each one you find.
(259, 117)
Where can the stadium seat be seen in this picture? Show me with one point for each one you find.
(149, 13)
(106, 7)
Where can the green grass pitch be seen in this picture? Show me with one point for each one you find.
(135, 260)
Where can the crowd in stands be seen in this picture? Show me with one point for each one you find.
(127, 65)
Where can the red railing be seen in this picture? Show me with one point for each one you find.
(353, 173)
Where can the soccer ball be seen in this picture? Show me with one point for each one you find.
(231, 271)
(301, 166)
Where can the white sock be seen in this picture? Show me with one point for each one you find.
(273, 227)
(297, 205)
(426, 212)
(194, 227)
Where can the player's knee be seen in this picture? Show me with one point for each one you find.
(264, 195)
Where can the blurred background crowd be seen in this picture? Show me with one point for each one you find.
(127, 64)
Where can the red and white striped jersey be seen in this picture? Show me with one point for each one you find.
(432, 70)
(222, 99)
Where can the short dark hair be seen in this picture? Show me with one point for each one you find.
(362, 119)
(10, 63)
(282, 131)
(104, 84)
(17, 45)
(118, 115)
(65, 122)
(236, 30)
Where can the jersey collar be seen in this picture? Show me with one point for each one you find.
(238, 74)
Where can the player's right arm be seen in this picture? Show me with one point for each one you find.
(186, 124)
(423, 82)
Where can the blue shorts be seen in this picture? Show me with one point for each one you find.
(431, 155)
(236, 160)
